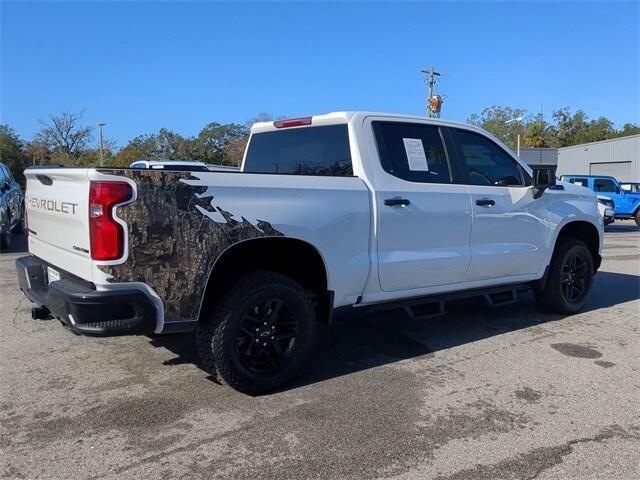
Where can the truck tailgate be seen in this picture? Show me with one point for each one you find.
(57, 215)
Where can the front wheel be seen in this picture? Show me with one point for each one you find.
(569, 279)
(637, 217)
(259, 334)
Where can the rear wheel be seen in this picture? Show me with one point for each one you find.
(569, 279)
(637, 217)
(259, 334)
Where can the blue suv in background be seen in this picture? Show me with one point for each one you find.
(626, 204)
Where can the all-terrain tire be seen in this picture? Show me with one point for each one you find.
(555, 296)
(218, 336)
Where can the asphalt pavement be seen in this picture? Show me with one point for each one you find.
(480, 393)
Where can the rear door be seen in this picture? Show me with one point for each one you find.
(423, 217)
(510, 231)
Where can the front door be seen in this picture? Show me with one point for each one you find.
(423, 218)
(510, 230)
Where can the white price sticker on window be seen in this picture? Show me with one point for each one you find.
(415, 154)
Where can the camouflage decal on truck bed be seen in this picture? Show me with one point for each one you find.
(176, 233)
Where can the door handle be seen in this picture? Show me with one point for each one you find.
(485, 202)
(392, 202)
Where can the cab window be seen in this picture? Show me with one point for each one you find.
(412, 152)
(485, 162)
(583, 182)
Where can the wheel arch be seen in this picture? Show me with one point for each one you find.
(584, 231)
(293, 257)
(579, 229)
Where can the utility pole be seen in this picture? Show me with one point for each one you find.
(101, 126)
(434, 102)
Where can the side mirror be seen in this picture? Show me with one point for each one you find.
(617, 189)
(543, 178)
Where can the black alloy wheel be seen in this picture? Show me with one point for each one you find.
(575, 278)
(266, 337)
(259, 332)
(569, 278)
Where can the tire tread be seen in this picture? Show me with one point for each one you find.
(551, 297)
(210, 336)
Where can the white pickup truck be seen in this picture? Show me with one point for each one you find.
(344, 210)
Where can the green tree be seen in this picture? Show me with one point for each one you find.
(141, 147)
(234, 151)
(567, 128)
(539, 134)
(164, 145)
(215, 139)
(37, 153)
(499, 121)
(628, 129)
(576, 128)
(12, 152)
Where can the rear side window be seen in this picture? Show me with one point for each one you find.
(485, 162)
(301, 151)
(604, 185)
(412, 152)
(583, 182)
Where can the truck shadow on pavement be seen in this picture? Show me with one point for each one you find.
(358, 342)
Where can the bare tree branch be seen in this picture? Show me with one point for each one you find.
(64, 135)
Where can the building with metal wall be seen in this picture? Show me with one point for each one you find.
(539, 156)
(618, 157)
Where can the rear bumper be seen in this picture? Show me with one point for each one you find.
(81, 307)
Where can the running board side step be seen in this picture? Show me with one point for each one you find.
(434, 305)
(423, 311)
(505, 297)
(436, 308)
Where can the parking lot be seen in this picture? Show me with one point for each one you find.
(481, 393)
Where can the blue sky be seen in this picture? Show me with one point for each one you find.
(139, 66)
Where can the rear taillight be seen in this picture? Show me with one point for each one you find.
(107, 235)
(292, 122)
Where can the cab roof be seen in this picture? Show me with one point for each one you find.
(333, 118)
